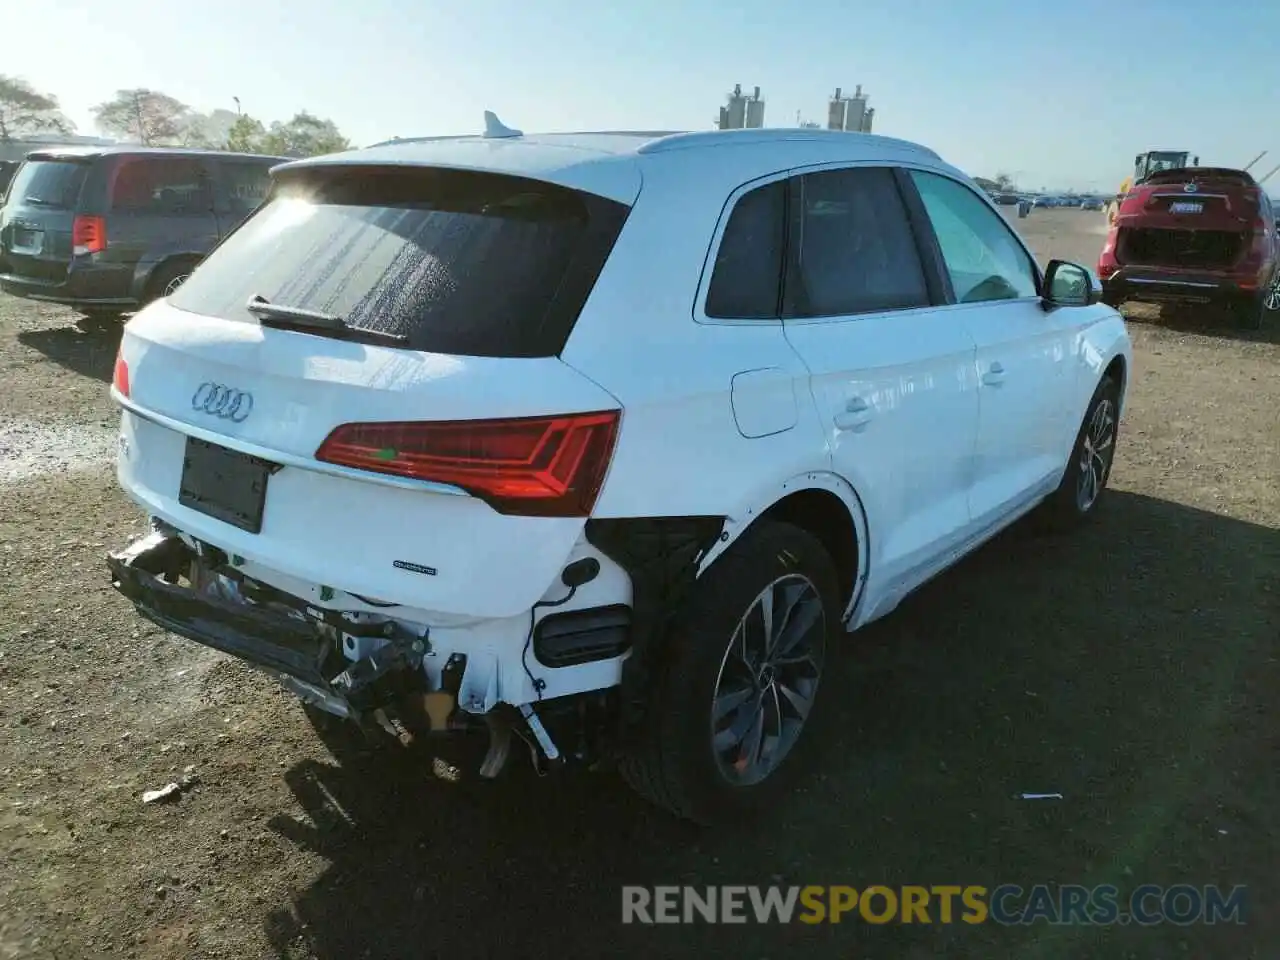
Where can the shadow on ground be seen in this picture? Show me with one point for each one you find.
(1130, 666)
(1206, 321)
(88, 348)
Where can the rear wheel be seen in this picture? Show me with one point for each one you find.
(1249, 313)
(735, 704)
(168, 277)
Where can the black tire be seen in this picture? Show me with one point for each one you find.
(166, 275)
(1251, 313)
(1066, 507)
(674, 764)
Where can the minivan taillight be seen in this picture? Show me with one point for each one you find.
(88, 235)
(529, 466)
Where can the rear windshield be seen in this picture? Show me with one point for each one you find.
(458, 262)
(48, 183)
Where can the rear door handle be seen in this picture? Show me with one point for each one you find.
(994, 375)
(856, 415)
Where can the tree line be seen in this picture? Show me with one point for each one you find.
(153, 118)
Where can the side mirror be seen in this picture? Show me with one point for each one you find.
(1069, 285)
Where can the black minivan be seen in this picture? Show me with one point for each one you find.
(108, 229)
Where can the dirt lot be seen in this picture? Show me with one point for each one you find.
(1132, 667)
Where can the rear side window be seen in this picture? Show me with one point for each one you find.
(246, 185)
(166, 186)
(48, 183)
(853, 246)
(747, 278)
(459, 262)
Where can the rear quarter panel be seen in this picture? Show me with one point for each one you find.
(680, 451)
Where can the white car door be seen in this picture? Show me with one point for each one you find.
(892, 375)
(1025, 354)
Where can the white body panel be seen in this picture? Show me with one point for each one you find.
(899, 407)
(345, 528)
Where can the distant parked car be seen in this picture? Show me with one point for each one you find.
(1007, 199)
(1091, 203)
(7, 170)
(109, 229)
(1199, 235)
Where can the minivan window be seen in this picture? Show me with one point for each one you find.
(48, 183)
(160, 185)
(747, 277)
(246, 185)
(457, 262)
(853, 246)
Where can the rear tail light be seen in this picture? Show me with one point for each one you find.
(1259, 252)
(88, 235)
(531, 466)
(120, 376)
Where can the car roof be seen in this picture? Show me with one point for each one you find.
(611, 163)
(92, 152)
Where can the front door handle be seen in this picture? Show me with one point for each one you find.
(994, 375)
(856, 415)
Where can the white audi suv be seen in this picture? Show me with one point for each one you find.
(602, 441)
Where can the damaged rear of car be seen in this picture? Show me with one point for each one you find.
(368, 471)
(1198, 235)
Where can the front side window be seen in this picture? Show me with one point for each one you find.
(853, 248)
(983, 257)
(747, 276)
(171, 186)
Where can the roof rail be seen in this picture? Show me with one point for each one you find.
(394, 141)
(773, 135)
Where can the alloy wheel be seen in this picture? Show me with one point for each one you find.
(175, 283)
(1096, 453)
(1271, 300)
(768, 677)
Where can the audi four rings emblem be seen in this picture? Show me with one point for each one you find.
(223, 402)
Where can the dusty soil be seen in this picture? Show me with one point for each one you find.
(1131, 667)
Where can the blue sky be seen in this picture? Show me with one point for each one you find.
(1063, 95)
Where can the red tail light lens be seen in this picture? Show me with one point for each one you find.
(531, 466)
(88, 235)
(120, 376)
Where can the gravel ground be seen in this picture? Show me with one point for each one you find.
(1131, 667)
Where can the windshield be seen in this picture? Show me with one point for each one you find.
(456, 262)
(48, 183)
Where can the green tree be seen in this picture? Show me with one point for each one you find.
(209, 131)
(24, 111)
(145, 116)
(246, 135)
(306, 135)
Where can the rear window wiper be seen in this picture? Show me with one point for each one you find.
(281, 317)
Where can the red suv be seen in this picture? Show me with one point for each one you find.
(1196, 235)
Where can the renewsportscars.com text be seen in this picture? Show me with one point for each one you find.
(1008, 904)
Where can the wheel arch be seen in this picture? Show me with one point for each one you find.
(145, 279)
(821, 503)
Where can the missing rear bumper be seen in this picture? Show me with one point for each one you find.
(300, 650)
